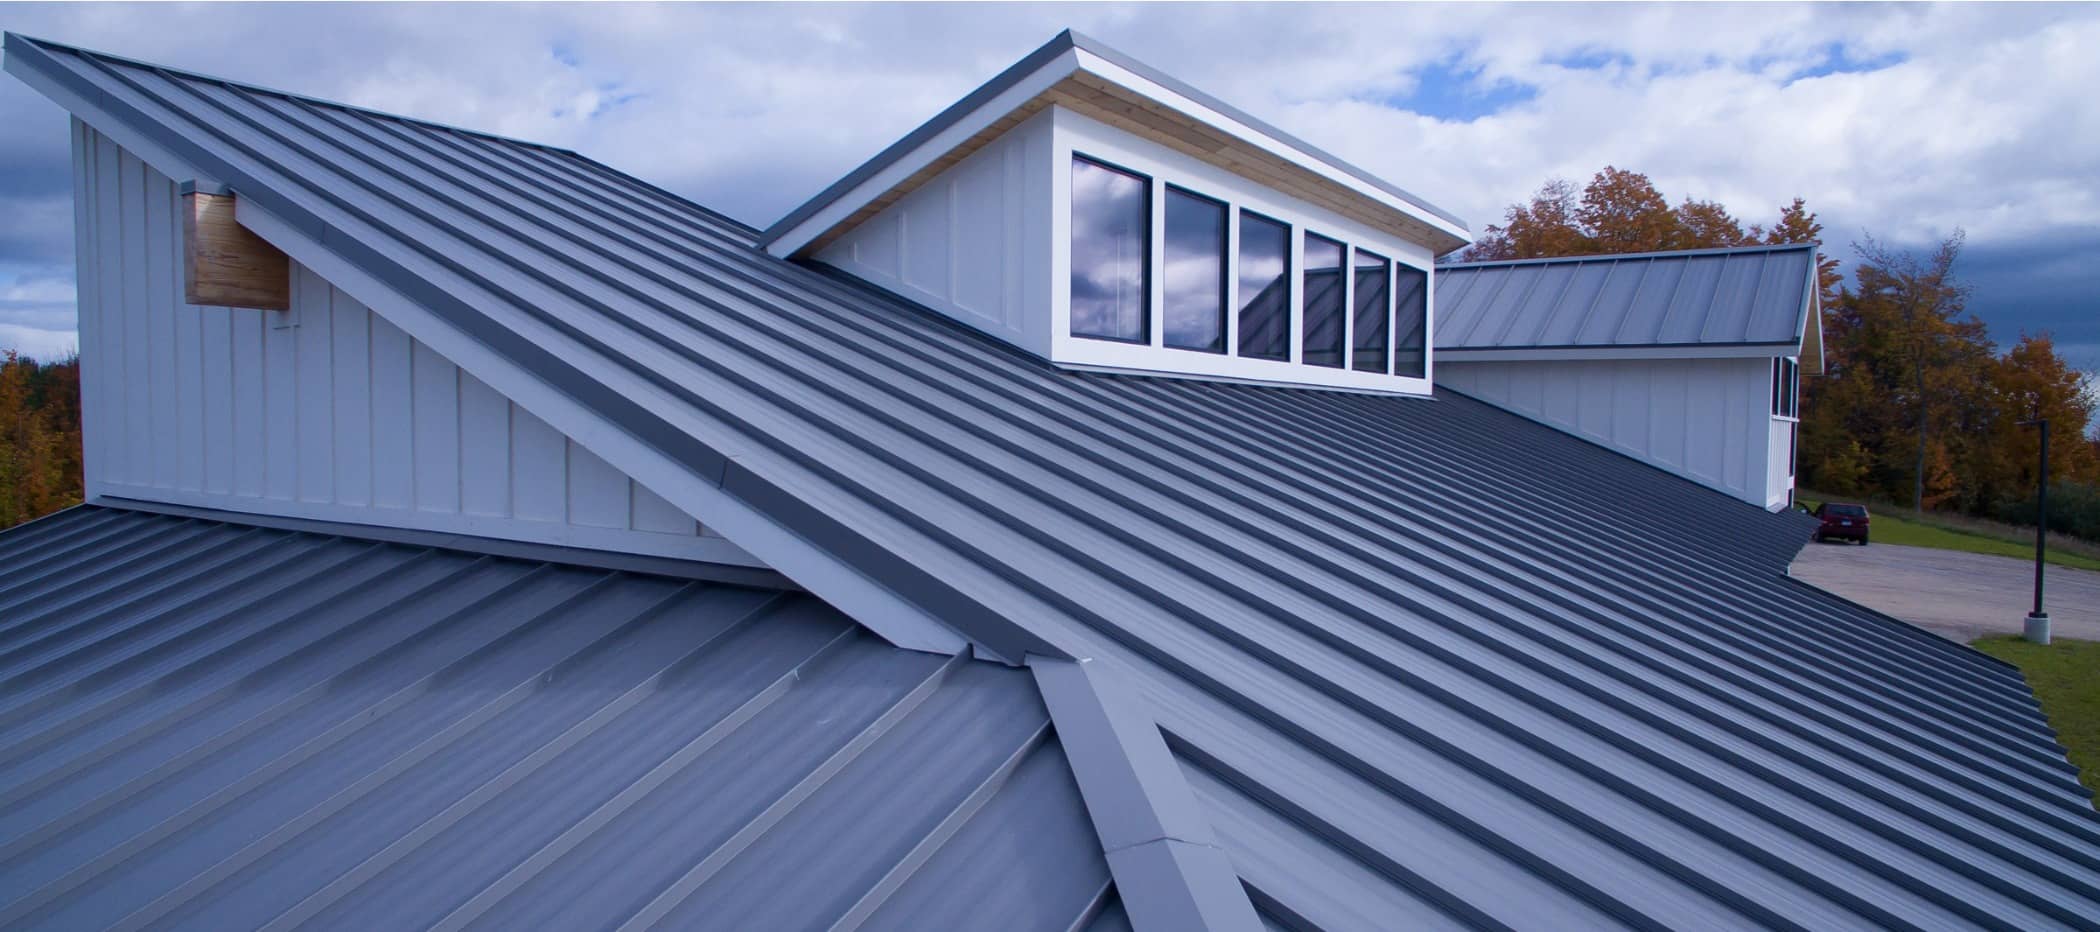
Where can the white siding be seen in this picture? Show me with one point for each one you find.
(326, 411)
(969, 242)
(1708, 420)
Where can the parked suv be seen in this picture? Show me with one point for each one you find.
(1842, 522)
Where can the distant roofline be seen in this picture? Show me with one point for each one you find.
(1063, 42)
(46, 45)
(1617, 256)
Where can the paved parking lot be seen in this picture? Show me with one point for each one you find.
(1958, 595)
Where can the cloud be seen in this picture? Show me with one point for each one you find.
(1904, 120)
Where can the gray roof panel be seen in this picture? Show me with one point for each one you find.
(1753, 295)
(221, 725)
(1423, 661)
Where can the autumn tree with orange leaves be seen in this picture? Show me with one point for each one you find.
(39, 437)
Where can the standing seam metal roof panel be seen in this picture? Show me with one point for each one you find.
(1422, 643)
(1751, 295)
(212, 725)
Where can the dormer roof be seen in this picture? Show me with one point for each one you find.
(1737, 301)
(1084, 75)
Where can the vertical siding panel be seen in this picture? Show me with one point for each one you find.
(109, 249)
(393, 417)
(138, 346)
(177, 440)
(184, 392)
(281, 422)
(538, 458)
(87, 274)
(351, 348)
(246, 379)
(217, 376)
(316, 411)
(437, 430)
(597, 491)
(652, 512)
(484, 449)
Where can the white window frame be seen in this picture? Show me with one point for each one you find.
(1077, 135)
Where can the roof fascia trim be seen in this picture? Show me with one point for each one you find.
(1133, 74)
(1810, 333)
(1167, 865)
(43, 45)
(1018, 84)
(1460, 354)
(30, 63)
(887, 613)
(1063, 55)
(1622, 256)
(469, 543)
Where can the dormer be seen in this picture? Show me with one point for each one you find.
(1097, 213)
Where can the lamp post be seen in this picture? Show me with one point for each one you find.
(2037, 627)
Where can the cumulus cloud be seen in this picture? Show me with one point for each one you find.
(1904, 120)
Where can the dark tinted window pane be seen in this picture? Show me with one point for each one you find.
(1323, 301)
(1411, 329)
(1192, 279)
(1265, 288)
(1778, 400)
(1374, 311)
(1111, 227)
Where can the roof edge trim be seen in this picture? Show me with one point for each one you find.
(956, 113)
(1462, 354)
(468, 543)
(1620, 256)
(46, 46)
(1168, 866)
(837, 200)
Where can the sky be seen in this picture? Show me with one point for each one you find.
(1900, 121)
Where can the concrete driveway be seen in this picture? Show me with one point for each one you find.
(1957, 595)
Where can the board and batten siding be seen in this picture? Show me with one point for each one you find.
(1708, 420)
(973, 242)
(326, 411)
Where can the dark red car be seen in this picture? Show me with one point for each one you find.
(1842, 521)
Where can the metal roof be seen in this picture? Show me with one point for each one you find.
(1422, 662)
(1061, 43)
(1745, 296)
(221, 725)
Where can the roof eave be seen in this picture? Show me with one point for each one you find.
(1617, 351)
(1030, 79)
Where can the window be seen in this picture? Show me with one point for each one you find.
(1265, 287)
(1411, 332)
(1167, 268)
(1324, 288)
(1111, 235)
(1786, 388)
(1192, 272)
(1374, 312)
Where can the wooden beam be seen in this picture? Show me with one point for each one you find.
(225, 264)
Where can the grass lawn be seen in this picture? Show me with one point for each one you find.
(1895, 525)
(2066, 678)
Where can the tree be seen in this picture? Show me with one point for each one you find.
(1621, 211)
(39, 437)
(1924, 301)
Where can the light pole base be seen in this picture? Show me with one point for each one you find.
(2038, 628)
